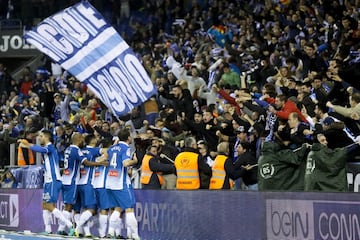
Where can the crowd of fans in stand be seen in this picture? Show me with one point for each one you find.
(282, 71)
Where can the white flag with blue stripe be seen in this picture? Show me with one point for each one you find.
(79, 39)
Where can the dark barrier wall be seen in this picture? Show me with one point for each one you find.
(215, 214)
(199, 214)
(32, 176)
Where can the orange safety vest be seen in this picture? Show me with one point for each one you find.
(218, 172)
(21, 159)
(146, 171)
(187, 169)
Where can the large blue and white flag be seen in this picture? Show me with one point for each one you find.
(79, 39)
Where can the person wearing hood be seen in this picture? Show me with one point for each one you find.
(326, 167)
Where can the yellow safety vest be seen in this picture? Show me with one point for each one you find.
(187, 169)
(218, 172)
(146, 171)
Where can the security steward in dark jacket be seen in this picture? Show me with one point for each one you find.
(152, 169)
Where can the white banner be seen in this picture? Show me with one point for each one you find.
(79, 39)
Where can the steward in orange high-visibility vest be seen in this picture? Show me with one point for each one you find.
(222, 169)
(25, 159)
(218, 172)
(151, 169)
(190, 166)
(146, 173)
(186, 164)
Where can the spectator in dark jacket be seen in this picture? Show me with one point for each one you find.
(246, 166)
(183, 102)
